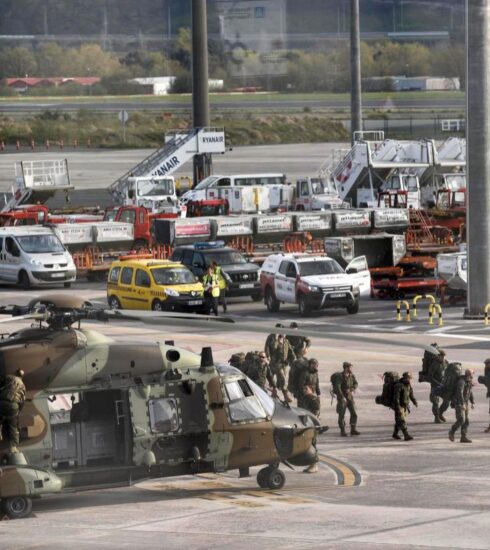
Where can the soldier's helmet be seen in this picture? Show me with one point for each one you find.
(407, 375)
(487, 361)
(293, 325)
(236, 359)
(20, 373)
(279, 325)
(346, 365)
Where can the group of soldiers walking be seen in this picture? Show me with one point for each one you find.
(449, 384)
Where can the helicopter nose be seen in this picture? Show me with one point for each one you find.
(294, 434)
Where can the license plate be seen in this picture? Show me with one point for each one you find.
(195, 303)
(337, 295)
(246, 285)
(56, 275)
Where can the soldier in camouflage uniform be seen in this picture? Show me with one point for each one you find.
(12, 397)
(344, 388)
(309, 388)
(461, 399)
(298, 343)
(271, 342)
(436, 374)
(403, 394)
(259, 372)
(297, 367)
(237, 360)
(309, 397)
(280, 352)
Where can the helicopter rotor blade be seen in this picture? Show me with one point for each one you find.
(166, 317)
(34, 316)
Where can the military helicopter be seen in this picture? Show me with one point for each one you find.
(139, 410)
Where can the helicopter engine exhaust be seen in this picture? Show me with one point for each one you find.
(206, 358)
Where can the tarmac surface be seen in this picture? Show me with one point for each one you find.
(371, 492)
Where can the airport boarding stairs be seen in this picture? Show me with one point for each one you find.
(180, 146)
(370, 162)
(449, 157)
(37, 181)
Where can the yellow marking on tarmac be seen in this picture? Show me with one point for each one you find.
(347, 476)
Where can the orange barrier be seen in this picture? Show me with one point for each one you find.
(243, 244)
(292, 244)
(82, 260)
(317, 246)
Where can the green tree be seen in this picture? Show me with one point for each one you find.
(17, 62)
(50, 57)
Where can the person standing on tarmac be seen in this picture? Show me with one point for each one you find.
(12, 397)
(210, 282)
(463, 396)
(403, 394)
(485, 379)
(298, 343)
(223, 285)
(270, 343)
(279, 361)
(436, 375)
(344, 386)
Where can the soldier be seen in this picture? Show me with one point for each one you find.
(280, 351)
(309, 388)
(344, 385)
(271, 342)
(12, 397)
(309, 397)
(297, 367)
(298, 343)
(463, 395)
(237, 360)
(486, 380)
(436, 375)
(210, 282)
(260, 372)
(403, 394)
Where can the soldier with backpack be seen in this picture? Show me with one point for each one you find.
(297, 367)
(12, 397)
(452, 372)
(344, 384)
(436, 377)
(402, 395)
(309, 388)
(485, 380)
(280, 351)
(460, 400)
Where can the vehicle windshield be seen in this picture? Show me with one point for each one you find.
(455, 181)
(110, 216)
(40, 244)
(224, 257)
(323, 267)
(173, 276)
(156, 187)
(320, 186)
(205, 183)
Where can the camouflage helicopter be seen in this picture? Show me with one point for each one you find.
(139, 410)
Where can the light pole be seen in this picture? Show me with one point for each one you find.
(355, 63)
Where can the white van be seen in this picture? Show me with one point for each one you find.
(31, 255)
(203, 189)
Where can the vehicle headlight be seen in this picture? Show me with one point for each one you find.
(313, 288)
(356, 290)
(37, 263)
(171, 292)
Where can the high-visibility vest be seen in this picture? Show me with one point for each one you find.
(221, 278)
(213, 282)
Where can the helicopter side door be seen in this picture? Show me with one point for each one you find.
(170, 423)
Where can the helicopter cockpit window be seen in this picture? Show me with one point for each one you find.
(163, 415)
(243, 404)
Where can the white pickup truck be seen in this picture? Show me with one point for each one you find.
(313, 282)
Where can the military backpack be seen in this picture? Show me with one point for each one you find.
(390, 378)
(294, 374)
(451, 375)
(485, 379)
(336, 381)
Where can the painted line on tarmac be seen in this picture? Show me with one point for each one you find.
(347, 475)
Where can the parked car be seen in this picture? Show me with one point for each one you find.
(313, 282)
(241, 275)
(159, 285)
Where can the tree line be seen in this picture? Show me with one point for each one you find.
(301, 71)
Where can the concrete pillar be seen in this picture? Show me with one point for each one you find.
(200, 99)
(355, 63)
(478, 154)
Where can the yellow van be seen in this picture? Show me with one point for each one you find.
(160, 285)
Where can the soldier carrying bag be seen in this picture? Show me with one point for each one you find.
(451, 375)
(390, 378)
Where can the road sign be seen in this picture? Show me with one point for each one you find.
(123, 116)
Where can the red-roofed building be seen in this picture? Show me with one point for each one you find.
(23, 84)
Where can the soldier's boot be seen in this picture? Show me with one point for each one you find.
(487, 430)
(312, 469)
(287, 399)
(451, 435)
(437, 418)
(406, 435)
(441, 416)
(464, 439)
(353, 430)
(395, 434)
(343, 433)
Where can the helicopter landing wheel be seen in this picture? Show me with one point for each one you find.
(17, 507)
(271, 478)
